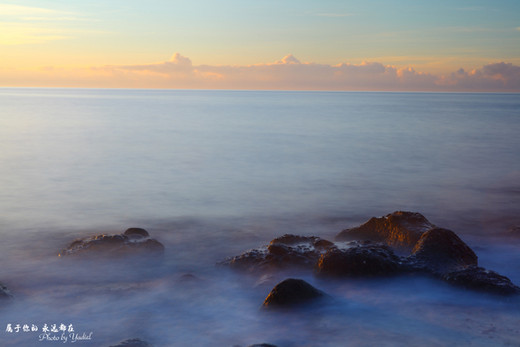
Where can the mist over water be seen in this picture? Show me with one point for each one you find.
(212, 174)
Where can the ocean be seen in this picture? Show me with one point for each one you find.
(211, 174)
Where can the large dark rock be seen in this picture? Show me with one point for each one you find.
(477, 278)
(440, 251)
(291, 292)
(284, 251)
(399, 229)
(133, 241)
(132, 343)
(262, 345)
(364, 260)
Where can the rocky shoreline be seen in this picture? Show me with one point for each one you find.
(371, 250)
(398, 244)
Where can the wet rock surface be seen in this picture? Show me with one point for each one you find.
(290, 293)
(132, 343)
(285, 251)
(436, 251)
(399, 229)
(480, 279)
(441, 251)
(365, 260)
(134, 241)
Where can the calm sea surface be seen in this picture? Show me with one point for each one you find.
(213, 173)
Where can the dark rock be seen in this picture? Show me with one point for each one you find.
(4, 292)
(284, 251)
(291, 292)
(133, 241)
(132, 343)
(399, 229)
(478, 278)
(136, 233)
(440, 251)
(262, 345)
(366, 260)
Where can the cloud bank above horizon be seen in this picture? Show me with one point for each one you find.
(289, 73)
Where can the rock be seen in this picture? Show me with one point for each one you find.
(4, 292)
(133, 241)
(291, 292)
(284, 251)
(440, 251)
(132, 343)
(478, 278)
(365, 260)
(399, 229)
(262, 345)
(136, 233)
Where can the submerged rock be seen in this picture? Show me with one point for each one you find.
(291, 292)
(132, 343)
(5, 293)
(440, 251)
(399, 229)
(478, 278)
(132, 241)
(366, 260)
(285, 251)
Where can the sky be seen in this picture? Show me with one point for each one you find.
(396, 45)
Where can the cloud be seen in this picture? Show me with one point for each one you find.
(289, 59)
(21, 33)
(21, 25)
(491, 77)
(289, 73)
(18, 10)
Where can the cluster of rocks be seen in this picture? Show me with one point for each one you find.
(370, 250)
(134, 241)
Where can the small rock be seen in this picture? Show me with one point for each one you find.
(441, 251)
(4, 292)
(132, 343)
(399, 229)
(478, 278)
(291, 292)
(136, 233)
(367, 260)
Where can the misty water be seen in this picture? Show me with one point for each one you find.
(211, 174)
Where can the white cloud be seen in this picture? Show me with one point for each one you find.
(18, 10)
(21, 33)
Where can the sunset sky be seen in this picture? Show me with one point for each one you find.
(230, 44)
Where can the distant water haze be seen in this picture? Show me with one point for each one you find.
(213, 173)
